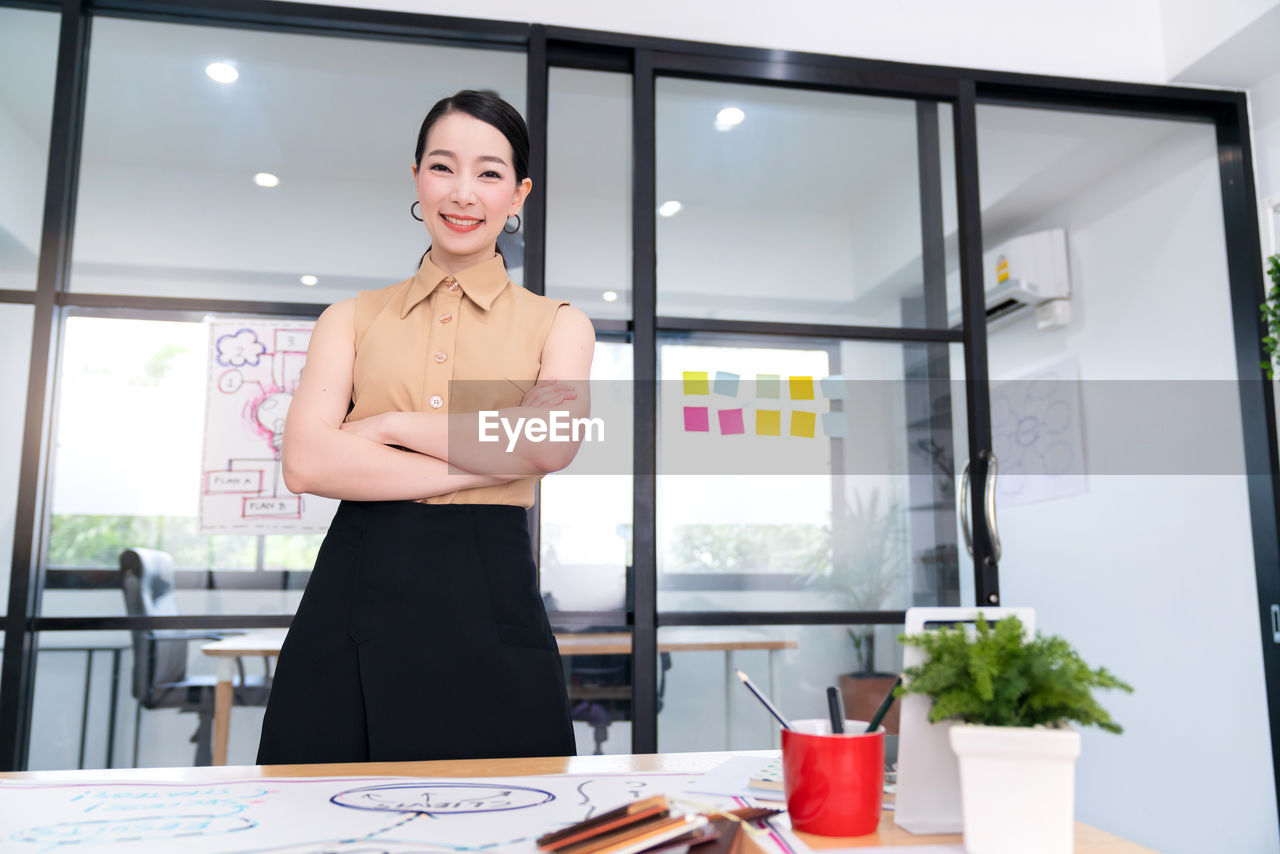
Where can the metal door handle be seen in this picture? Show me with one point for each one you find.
(993, 530)
(966, 526)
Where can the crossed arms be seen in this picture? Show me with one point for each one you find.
(355, 460)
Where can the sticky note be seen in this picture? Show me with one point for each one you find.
(768, 422)
(695, 382)
(730, 422)
(695, 420)
(801, 388)
(832, 387)
(834, 425)
(802, 424)
(768, 386)
(726, 384)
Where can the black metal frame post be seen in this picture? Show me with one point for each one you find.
(986, 583)
(644, 289)
(17, 678)
(1257, 394)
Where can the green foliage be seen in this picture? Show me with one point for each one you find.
(90, 541)
(997, 678)
(1271, 314)
(747, 548)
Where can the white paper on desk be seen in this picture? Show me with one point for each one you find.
(732, 779)
(303, 815)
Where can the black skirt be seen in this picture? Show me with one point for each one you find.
(421, 635)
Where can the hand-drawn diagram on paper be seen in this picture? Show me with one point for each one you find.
(254, 368)
(1037, 436)
(310, 815)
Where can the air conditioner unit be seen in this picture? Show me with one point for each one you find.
(1029, 271)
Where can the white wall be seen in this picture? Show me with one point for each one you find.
(1191, 29)
(1152, 576)
(1264, 108)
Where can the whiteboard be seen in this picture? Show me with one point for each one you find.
(254, 369)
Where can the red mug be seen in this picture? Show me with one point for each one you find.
(833, 783)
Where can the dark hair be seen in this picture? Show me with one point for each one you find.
(490, 109)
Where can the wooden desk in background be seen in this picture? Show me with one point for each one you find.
(267, 643)
(1089, 840)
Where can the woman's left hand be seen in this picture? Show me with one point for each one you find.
(373, 428)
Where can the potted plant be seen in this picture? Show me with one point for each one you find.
(1012, 697)
(864, 568)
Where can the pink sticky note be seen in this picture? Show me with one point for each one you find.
(730, 422)
(695, 419)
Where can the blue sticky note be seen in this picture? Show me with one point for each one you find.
(834, 425)
(726, 384)
(833, 387)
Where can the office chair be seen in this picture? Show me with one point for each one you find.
(600, 689)
(160, 679)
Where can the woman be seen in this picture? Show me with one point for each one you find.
(421, 634)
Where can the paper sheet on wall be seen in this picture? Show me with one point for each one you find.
(345, 815)
(254, 369)
(1037, 436)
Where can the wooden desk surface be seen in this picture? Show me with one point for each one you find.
(1089, 840)
(578, 643)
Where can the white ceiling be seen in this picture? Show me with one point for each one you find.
(340, 113)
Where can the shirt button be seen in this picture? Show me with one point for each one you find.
(436, 401)
(446, 317)
(440, 357)
(453, 286)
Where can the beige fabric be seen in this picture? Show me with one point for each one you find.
(413, 338)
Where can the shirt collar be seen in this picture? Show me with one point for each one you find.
(480, 282)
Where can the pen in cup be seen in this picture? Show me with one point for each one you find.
(763, 699)
(835, 707)
(884, 707)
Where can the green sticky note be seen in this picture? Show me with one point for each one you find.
(801, 388)
(769, 386)
(768, 422)
(802, 424)
(695, 382)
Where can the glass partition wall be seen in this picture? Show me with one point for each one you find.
(784, 255)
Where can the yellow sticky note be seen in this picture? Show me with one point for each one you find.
(695, 382)
(768, 422)
(802, 424)
(801, 388)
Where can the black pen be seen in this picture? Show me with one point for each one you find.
(835, 705)
(763, 699)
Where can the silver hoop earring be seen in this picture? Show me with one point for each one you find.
(514, 230)
(412, 214)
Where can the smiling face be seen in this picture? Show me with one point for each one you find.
(467, 188)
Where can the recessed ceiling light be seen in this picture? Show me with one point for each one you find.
(670, 208)
(729, 117)
(222, 72)
(610, 296)
(265, 179)
(309, 280)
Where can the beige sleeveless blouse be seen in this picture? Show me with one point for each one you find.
(415, 337)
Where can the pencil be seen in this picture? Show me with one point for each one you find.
(763, 699)
(884, 707)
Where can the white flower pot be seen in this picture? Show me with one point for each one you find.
(1017, 788)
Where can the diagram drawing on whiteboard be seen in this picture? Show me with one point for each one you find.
(254, 369)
